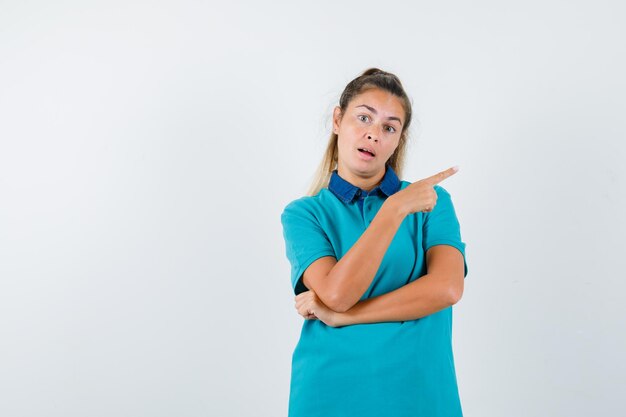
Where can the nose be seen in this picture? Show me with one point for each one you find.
(374, 133)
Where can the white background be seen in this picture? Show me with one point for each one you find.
(148, 148)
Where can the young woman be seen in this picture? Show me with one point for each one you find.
(376, 265)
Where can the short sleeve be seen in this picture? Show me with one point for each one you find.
(441, 226)
(305, 241)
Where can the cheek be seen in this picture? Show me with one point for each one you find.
(389, 150)
(351, 128)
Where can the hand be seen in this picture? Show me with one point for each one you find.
(421, 195)
(311, 307)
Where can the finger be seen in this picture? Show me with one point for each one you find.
(437, 178)
(304, 294)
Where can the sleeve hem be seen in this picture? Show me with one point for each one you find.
(454, 244)
(298, 284)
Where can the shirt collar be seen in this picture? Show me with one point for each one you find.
(346, 192)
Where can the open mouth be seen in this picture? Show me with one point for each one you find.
(364, 151)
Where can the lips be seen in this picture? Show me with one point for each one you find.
(366, 156)
(364, 150)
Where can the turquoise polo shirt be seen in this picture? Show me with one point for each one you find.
(402, 368)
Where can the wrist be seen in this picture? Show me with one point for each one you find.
(392, 205)
(341, 319)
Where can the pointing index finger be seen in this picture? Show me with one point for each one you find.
(437, 178)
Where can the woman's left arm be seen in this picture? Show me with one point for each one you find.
(441, 287)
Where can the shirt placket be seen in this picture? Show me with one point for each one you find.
(361, 195)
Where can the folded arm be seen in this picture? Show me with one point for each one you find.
(441, 287)
(340, 284)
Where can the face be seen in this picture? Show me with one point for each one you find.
(373, 120)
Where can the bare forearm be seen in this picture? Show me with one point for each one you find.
(420, 298)
(354, 272)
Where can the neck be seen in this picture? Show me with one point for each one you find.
(366, 183)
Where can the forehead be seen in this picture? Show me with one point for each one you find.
(384, 102)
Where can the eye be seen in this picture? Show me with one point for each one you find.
(362, 115)
(393, 129)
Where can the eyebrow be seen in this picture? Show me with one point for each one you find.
(373, 110)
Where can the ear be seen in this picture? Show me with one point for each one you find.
(336, 118)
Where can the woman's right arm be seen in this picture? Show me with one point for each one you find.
(341, 284)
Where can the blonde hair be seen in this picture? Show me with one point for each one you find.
(369, 79)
